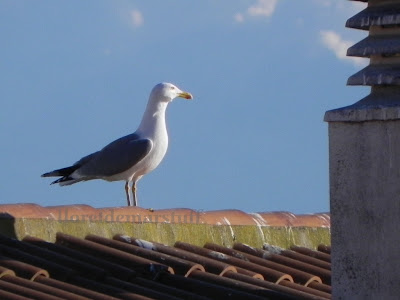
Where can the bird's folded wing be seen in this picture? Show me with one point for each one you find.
(117, 157)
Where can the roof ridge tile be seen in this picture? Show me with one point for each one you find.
(228, 217)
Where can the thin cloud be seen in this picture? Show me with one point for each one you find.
(239, 18)
(136, 18)
(344, 6)
(262, 8)
(358, 6)
(334, 42)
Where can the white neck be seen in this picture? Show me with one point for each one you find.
(153, 121)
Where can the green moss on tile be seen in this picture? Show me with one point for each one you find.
(166, 233)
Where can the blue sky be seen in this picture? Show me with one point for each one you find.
(75, 75)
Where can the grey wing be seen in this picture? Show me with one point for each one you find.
(116, 157)
(86, 159)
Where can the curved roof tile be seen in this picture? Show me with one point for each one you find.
(156, 271)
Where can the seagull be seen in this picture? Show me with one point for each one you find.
(130, 157)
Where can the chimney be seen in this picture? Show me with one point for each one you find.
(364, 165)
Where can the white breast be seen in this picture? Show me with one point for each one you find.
(152, 127)
(152, 160)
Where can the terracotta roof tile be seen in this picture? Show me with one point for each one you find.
(21, 269)
(289, 219)
(135, 288)
(166, 289)
(208, 288)
(11, 296)
(75, 289)
(88, 270)
(26, 210)
(251, 291)
(210, 265)
(309, 252)
(49, 290)
(108, 289)
(115, 270)
(321, 287)
(297, 274)
(324, 248)
(180, 266)
(268, 273)
(85, 265)
(156, 271)
(23, 290)
(11, 253)
(137, 263)
(5, 271)
(180, 215)
(311, 267)
(289, 253)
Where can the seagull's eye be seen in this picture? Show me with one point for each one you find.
(172, 87)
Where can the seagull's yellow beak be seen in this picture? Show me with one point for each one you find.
(185, 95)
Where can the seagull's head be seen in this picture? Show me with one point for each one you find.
(166, 92)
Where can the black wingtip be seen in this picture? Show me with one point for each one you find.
(51, 174)
(58, 180)
(62, 179)
(61, 172)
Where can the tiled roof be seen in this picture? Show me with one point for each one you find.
(76, 252)
(125, 267)
(181, 215)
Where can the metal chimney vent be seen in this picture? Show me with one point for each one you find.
(382, 19)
